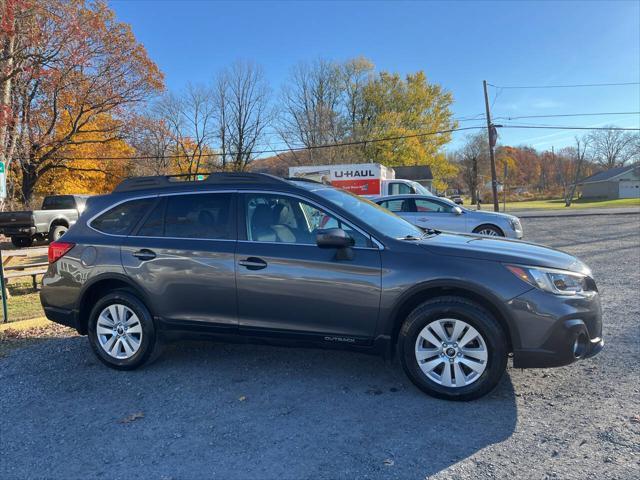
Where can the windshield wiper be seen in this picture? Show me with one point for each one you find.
(411, 238)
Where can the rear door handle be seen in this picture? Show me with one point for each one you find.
(144, 254)
(253, 263)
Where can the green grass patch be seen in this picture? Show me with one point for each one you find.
(23, 302)
(558, 204)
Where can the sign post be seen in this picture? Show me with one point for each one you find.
(3, 291)
(3, 287)
(3, 181)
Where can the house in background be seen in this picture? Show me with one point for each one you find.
(620, 182)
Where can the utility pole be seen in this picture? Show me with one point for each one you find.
(493, 136)
(504, 188)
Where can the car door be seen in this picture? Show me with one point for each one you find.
(287, 284)
(183, 256)
(406, 208)
(438, 215)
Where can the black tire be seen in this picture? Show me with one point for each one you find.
(149, 346)
(56, 232)
(488, 227)
(473, 314)
(22, 242)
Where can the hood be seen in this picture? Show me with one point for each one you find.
(502, 250)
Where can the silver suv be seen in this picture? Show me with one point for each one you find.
(260, 257)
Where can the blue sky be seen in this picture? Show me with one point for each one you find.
(457, 44)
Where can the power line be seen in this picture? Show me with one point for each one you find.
(567, 86)
(568, 115)
(283, 150)
(559, 127)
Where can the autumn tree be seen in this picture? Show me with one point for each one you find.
(83, 65)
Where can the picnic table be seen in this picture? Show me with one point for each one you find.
(9, 270)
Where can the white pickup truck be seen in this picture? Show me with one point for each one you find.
(366, 179)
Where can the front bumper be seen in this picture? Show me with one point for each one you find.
(553, 331)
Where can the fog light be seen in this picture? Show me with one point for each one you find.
(580, 346)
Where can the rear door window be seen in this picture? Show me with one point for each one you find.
(121, 219)
(153, 226)
(203, 215)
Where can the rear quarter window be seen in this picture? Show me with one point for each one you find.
(121, 219)
(62, 202)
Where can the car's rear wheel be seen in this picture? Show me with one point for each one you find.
(121, 331)
(489, 230)
(56, 232)
(453, 348)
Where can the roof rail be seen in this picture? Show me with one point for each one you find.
(215, 178)
(303, 179)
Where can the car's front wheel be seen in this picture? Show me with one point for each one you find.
(121, 331)
(489, 231)
(453, 348)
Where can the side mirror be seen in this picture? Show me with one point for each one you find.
(334, 238)
(457, 210)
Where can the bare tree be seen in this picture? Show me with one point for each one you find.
(613, 148)
(473, 159)
(310, 108)
(570, 169)
(242, 112)
(152, 141)
(190, 122)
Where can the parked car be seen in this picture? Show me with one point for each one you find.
(259, 257)
(457, 199)
(58, 213)
(442, 214)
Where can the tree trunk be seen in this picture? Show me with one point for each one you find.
(29, 179)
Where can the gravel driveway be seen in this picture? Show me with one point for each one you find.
(242, 411)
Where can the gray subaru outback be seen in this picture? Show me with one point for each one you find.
(260, 258)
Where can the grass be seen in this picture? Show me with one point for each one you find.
(23, 333)
(558, 204)
(23, 302)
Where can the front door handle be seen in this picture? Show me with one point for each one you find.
(253, 263)
(144, 254)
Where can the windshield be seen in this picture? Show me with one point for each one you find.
(421, 189)
(370, 213)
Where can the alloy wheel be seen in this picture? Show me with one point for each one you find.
(119, 331)
(490, 232)
(451, 353)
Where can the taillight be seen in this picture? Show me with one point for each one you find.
(57, 250)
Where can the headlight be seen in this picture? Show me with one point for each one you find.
(515, 224)
(560, 282)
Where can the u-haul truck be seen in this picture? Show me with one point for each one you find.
(366, 179)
